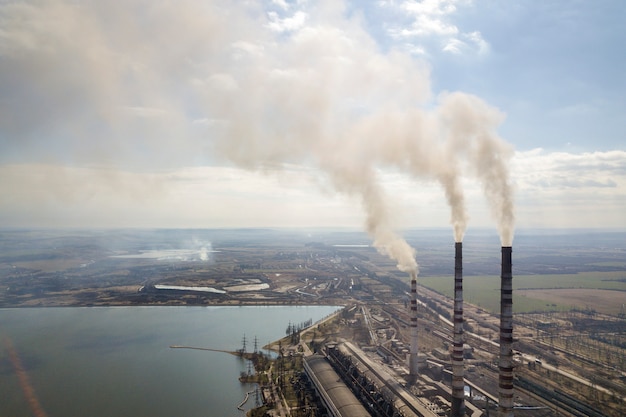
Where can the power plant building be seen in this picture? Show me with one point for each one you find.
(337, 398)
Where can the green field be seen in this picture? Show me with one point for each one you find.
(484, 291)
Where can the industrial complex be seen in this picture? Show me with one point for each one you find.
(349, 382)
(395, 347)
(386, 373)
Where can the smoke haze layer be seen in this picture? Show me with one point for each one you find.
(215, 82)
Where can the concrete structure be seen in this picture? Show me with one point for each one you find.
(388, 396)
(458, 384)
(414, 351)
(505, 379)
(337, 398)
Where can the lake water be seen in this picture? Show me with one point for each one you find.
(117, 361)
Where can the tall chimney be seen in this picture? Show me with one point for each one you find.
(458, 385)
(505, 381)
(413, 355)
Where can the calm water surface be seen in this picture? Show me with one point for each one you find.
(117, 362)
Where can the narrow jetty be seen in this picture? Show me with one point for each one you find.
(245, 400)
(209, 349)
(239, 353)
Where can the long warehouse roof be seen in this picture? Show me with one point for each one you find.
(345, 403)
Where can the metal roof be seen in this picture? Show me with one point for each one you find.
(343, 402)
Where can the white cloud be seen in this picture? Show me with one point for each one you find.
(431, 24)
(553, 189)
(223, 82)
(429, 7)
(52, 195)
(281, 3)
(454, 46)
(205, 121)
(247, 47)
(557, 170)
(570, 189)
(477, 40)
(147, 112)
(286, 24)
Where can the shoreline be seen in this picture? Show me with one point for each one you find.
(49, 302)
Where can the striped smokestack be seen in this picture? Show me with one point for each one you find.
(458, 385)
(413, 354)
(505, 381)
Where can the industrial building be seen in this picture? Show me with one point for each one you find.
(334, 394)
(346, 378)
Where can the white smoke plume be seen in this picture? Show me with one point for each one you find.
(200, 249)
(160, 82)
(488, 155)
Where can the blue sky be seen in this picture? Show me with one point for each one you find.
(553, 67)
(301, 113)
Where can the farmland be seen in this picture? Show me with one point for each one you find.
(603, 291)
